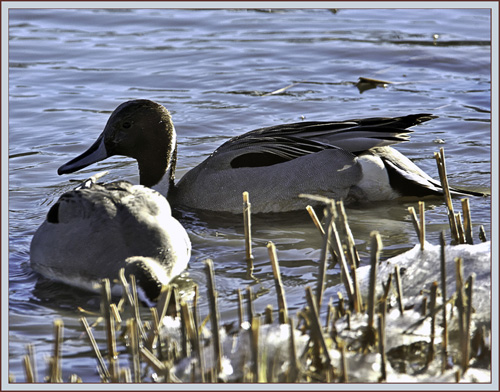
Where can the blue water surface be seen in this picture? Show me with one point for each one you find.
(216, 71)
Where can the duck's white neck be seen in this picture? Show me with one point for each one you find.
(163, 186)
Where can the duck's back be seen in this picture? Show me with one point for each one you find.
(89, 233)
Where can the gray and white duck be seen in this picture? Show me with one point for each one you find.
(350, 160)
(93, 231)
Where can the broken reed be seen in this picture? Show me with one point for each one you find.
(214, 314)
(376, 247)
(283, 312)
(247, 224)
(461, 232)
(444, 344)
(342, 248)
(419, 225)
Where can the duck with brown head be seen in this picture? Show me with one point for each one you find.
(350, 160)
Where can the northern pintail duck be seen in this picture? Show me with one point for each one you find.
(350, 160)
(93, 231)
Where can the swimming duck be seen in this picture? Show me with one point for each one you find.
(93, 231)
(350, 160)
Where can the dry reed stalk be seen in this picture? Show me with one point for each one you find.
(316, 330)
(323, 258)
(381, 345)
(110, 329)
(240, 308)
(32, 356)
(197, 344)
(293, 367)
(268, 314)
(201, 361)
(248, 231)
(116, 315)
(383, 312)
(184, 335)
(460, 303)
(433, 312)
(160, 340)
(280, 291)
(159, 367)
(130, 294)
(173, 307)
(441, 164)
(387, 287)
(468, 318)
(329, 312)
(414, 220)
(318, 225)
(187, 321)
(375, 248)
(195, 308)
(444, 344)
(134, 347)
(343, 360)
(126, 287)
(250, 311)
(340, 305)
(424, 306)
(467, 222)
(153, 337)
(346, 276)
(421, 208)
(163, 301)
(30, 366)
(351, 245)
(460, 228)
(254, 348)
(482, 234)
(348, 319)
(358, 304)
(28, 369)
(399, 289)
(315, 219)
(103, 369)
(74, 379)
(126, 376)
(214, 314)
(136, 307)
(55, 375)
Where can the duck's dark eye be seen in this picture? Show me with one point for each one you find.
(126, 125)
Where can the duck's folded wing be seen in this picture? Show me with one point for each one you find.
(271, 150)
(355, 135)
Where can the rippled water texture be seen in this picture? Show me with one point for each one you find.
(216, 70)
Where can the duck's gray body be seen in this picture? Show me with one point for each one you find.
(346, 160)
(92, 232)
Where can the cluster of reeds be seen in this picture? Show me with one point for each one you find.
(151, 354)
